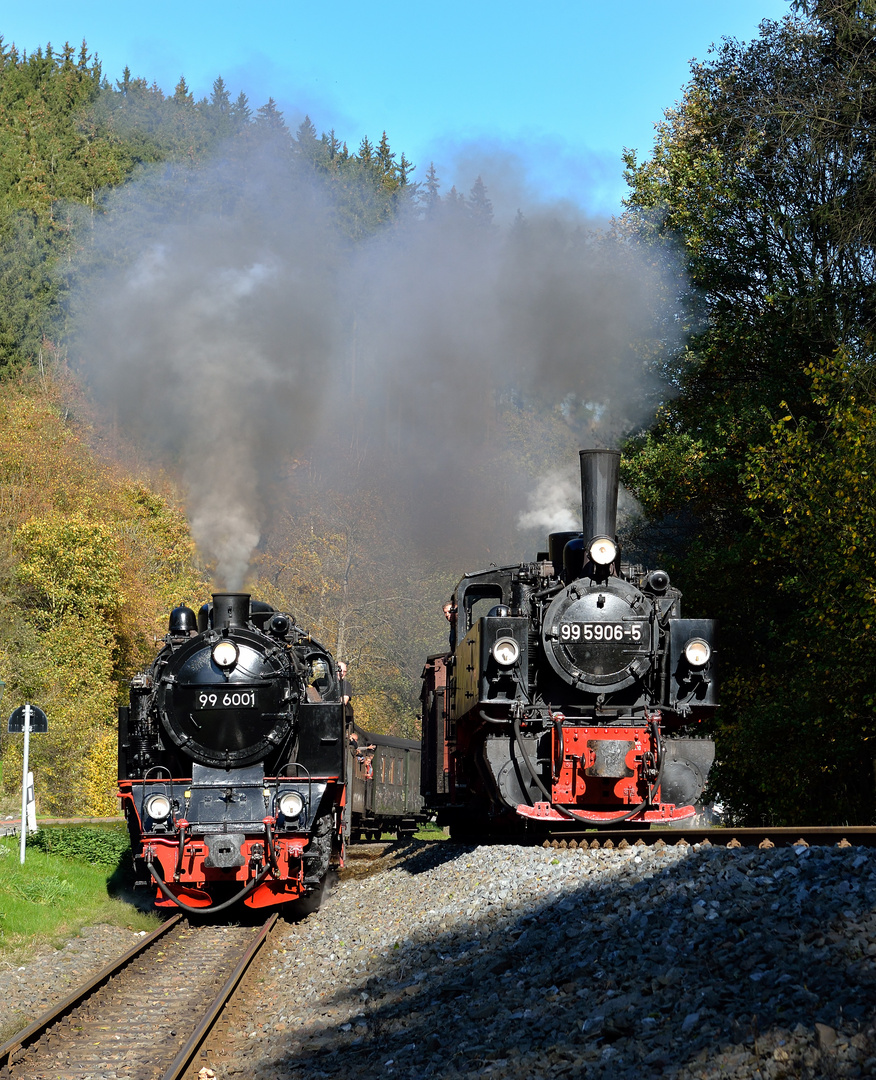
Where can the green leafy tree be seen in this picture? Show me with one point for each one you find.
(760, 187)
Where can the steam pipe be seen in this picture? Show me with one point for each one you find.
(250, 887)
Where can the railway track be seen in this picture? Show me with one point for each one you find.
(767, 837)
(144, 1016)
(764, 837)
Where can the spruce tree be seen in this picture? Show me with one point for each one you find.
(181, 94)
(479, 206)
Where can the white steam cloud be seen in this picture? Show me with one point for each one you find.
(552, 504)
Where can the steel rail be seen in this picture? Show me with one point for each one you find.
(184, 1058)
(35, 1029)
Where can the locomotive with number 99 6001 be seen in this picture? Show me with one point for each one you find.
(573, 690)
(233, 759)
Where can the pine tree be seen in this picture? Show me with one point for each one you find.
(366, 152)
(385, 159)
(220, 99)
(181, 94)
(270, 119)
(479, 206)
(404, 168)
(307, 146)
(432, 185)
(241, 113)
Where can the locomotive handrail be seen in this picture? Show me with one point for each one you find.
(561, 746)
(298, 765)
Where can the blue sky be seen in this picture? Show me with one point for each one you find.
(528, 94)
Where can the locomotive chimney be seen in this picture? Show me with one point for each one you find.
(599, 487)
(230, 609)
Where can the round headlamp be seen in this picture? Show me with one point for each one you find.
(290, 804)
(225, 653)
(603, 551)
(157, 807)
(506, 651)
(697, 652)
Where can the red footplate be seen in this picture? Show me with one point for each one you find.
(600, 774)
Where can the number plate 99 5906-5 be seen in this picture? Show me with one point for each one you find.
(569, 632)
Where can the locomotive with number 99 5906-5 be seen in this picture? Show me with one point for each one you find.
(573, 691)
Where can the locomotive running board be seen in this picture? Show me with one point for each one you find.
(544, 812)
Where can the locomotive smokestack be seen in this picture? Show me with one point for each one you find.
(599, 488)
(230, 609)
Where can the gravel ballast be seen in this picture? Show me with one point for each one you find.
(529, 962)
(454, 961)
(28, 990)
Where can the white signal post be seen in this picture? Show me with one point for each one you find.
(24, 780)
(31, 805)
(27, 718)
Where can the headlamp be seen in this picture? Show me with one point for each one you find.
(603, 550)
(506, 651)
(157, 807)
(697, 652)
(290, 804)
(225, 654)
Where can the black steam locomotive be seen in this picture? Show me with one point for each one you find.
(573, 688)
(241, 771)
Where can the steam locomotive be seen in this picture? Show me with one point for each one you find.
(233, 759)
(241, 770)
(573, 689)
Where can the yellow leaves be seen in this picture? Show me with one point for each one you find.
(98, 559)
(71, 562)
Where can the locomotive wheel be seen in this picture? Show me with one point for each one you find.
(356, 836)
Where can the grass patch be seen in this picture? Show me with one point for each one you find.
(431, 832)
(48, 900)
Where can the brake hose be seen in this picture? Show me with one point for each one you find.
(244, 892)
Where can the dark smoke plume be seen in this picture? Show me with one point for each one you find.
(228, 320)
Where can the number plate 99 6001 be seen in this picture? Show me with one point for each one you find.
(225, 699)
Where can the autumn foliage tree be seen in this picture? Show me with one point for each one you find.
(91, 560)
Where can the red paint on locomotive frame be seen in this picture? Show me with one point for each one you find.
(572, 749)
(572, 786)
(197, 877)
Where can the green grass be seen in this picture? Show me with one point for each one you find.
(430, 832)
(48, 900)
